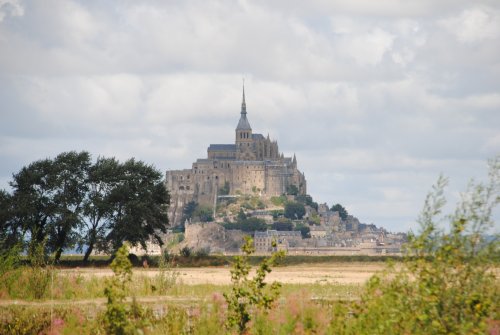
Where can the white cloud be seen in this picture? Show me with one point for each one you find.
(473, 25)
(10, 7)
(375, 98)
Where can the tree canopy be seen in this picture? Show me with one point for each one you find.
(69, 201)
(294, 210)
(342, 211)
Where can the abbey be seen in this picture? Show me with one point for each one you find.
(253, 164)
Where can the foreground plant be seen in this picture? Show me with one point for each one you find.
(121, 318)
(447, 284)
(247, 293)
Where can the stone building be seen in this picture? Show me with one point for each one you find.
(252, 164)
(263, 240)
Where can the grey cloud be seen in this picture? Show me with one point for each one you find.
(375, 99)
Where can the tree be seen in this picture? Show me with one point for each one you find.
(283, 225)
(342, 211)
(140, 201)
(9, 229)
(292, 190)
(103, 178)
(188, 211)
(307, 200)
(305, 231)
(66, 200)
(203, 213)
(294, 210)
(224, 190)
(70, 171)
(34, 206)
(241, 215)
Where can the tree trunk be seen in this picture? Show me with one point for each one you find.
(91, 245)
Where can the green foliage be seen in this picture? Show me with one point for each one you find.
(9, 259)
(447, 284)
(292, 190)
(283, 225)
(294, 210)
(224, 190)
(68, 201)
(121, 318)
(307, 200)
(186, 252)
(40, 272)
(315, 219)
(278, 201)
(305, 231)
(277, 213)
(249, 293)
(241, 215)
(342, 211)
(203, 214)
(247, 225)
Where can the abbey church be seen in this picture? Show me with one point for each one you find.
(252, 164)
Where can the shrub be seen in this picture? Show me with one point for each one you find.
(249, 293)
(447, 283)
(121, 318)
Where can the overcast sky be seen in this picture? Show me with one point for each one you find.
(376, 98)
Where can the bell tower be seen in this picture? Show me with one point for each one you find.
(244, 139)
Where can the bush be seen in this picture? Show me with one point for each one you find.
(250, 293)
(447, 282)
(120, 317)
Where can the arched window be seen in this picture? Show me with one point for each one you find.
(181, 188)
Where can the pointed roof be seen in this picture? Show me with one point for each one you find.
(243, 124)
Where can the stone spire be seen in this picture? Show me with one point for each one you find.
(243, 103)
(243, 124)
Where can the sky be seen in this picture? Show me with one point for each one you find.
(375, 98)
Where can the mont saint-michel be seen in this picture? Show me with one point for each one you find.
(252, 163)
(250, 187)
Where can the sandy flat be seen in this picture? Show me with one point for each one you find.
(342, 273)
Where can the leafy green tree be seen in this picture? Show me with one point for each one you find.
(241, 216)
(188, 210)
(59, 202)
(307, 200)
(283, 225)
(103, 178)
(224, 190)
(70, 171)
(342, 211)
(254, 224)
(140, 202)
(47, 200)
(305, 231)
(294, 210)
(292, 190)
(203, 214)
(33, 203)
(9, 227)
(248, 225)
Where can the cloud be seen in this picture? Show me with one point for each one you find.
(376, 99)
(474, 24)
(10, 8)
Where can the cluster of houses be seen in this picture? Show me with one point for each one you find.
(330, 235)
